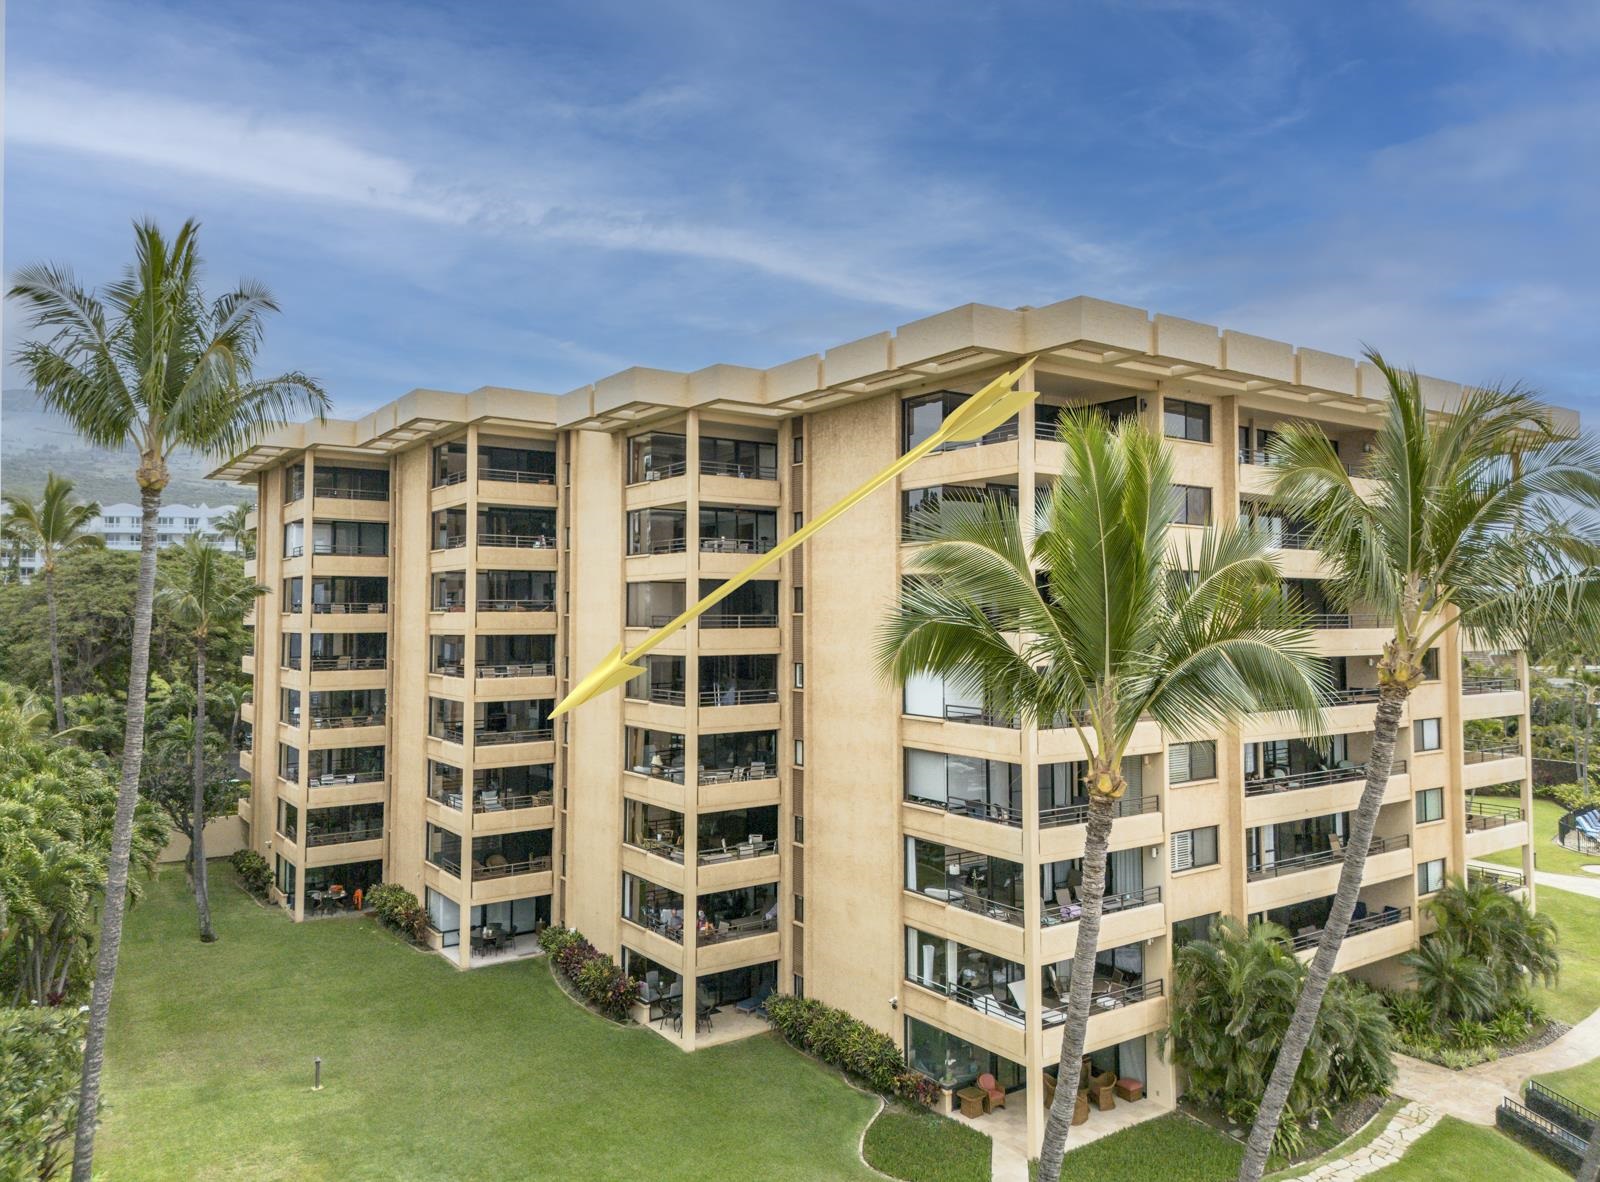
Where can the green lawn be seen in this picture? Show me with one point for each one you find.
(429, 1072)
(922, 1146)
(1548, 855)
(1577, 917)
(1184, 1149)
(1453, 1150)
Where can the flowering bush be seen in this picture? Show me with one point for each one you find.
(836, 1037)
(254, 873)
(597, 978)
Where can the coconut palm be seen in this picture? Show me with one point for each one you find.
(150, 364)
(203, 588)
(1118, 626)
(234, 526)
(1516, 947)
(1479, 520)
(56, 526)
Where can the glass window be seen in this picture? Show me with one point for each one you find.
(1425, 734)
(1430, 805)
(1193, 848)
(1430, 877)
(1189, 762)
(656, 456)
(1193, 505)
(656, 531)
(1197, 927)
(294, 483)
(293, 594)
(1186, 420)
(651, 605)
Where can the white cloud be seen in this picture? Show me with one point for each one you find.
(1546, 26)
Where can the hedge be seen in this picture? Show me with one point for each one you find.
(254, 873)
(848, 1043)
(597, 978)
(398, 908)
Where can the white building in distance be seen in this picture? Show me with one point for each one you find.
(118, 525)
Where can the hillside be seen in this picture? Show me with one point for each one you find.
(33, 442)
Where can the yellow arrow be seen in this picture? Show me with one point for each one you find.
(973, 419)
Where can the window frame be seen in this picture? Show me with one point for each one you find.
(1194, 415)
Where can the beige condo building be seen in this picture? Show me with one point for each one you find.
(760, 810)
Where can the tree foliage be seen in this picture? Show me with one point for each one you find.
(41, 1053)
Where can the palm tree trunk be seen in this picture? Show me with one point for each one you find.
(1091, 897)
(116, 900)
(55, 647)
(197, 837)
(1391, 701)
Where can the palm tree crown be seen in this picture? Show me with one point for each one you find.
(56, 524)
(203, 588)
(234, 526)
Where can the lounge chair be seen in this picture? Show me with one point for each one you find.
(756, 1003)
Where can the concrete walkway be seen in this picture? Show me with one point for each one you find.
(1474, 1093)
(1568, 882)
(1403, 1131)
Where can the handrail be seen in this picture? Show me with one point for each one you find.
(734, 620)
(736, 545)
(451, 542)
(514, 605)
(1297, 537)
(1544, 1124)
(1051, 914)
(350, 494)
(743, 771)
(451, 868)
(658, 849)
(516, 476)
(990, 908)
(665, 694)
(1295, 781)
(516, 541)
(659, 926)
(1077, 814)
(1368, 923)
(744, 849)
(739, 929)
(347, 550)
(1326, 857)
(526, 866)
(737, 697)
(450, 478)
(333, 721)
(745, 471)
(527, 669)
(1490, 685)
(1482, 752)
(1255, 456)
(345, 835)
(664, 471)
(449, 669)
(1354, 696)
(318, 609)
(659, 546)
(1583, 1112)
(977, 810)
(450, 734)
(324, 664)
(1003, 433)
(979, 716)
(1504, 881)
(1344, 620)
(446, 794)
(314, 780)
(1491, 814)
(486, 738)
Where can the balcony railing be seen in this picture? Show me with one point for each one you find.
(325, 664)
(733, 853)
(979, 716)
(329, 721)
(526, 669)
(447, 793)
(1078, 814)
(349, 609)
(506, 801)
(341, 836)
(1490, 685)
(512, 605)
(663, 772)
(450, 734)
(332, 779)
(744, 471)
(1051, 914)
(657, 848)
(449, 478)
(516, 476)
(449, 668)
(291, 662)
(1296, 537)
(1326, 857)
(732, 620)
(506, 869)
(349, 549)
(516, 541)
(448, 865)
(736, 545)
(1504, 881)
(1257, 457)
(978, 905)
(486, 738)
(1478, 752)
(667, 695)
(756, 770)
(1491, 814)
(985, 1003)
(669, 925)
(1353, 697)
(350, 494)
(1345, 620)
(1294, 781)
(1369, 923)
(658, 546)
(450, 542)
(665, 471)
(737, 697)
(294, 551)
(1001, 434)
(449, 604)
(738, 929)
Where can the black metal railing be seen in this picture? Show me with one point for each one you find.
(1491, 814)
(737, 697)
(979, 905)
(977, 810)
(744, 471)
(738, 929)
(1328, 857)
(327, 779)
(330, 721)
(447, 793)
(350, 494)
(349, 549)
(1490, 685)
(665, 694)
(733, 853)
(664, 471)
(1052, 914)
(449, 478)
(516, 476)
(762, 770)
(351, 609)
(450, 867)
(526, 669)
(657, 848)
(1255, 456)
(1293, 781)
(736, 545)
(450, 734)
(1077, 814)
(325, 664)
(1001, 434)
(487, 738)
(1481, 752)
(1579, 1114)
(506, 801)
(1512, 1113)
(980, 716)
(449, 668)
(1504, 881)
(451, 542)
(506, 869)
(672, 929)
(513, 605)
(1367, 923)
(1344, 620)
(1353, 696)
(342, 836)
(658, 546)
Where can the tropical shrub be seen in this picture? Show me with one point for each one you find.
(597, 978)
(1233, 997)
(398, 908)
(1453, 984)
(848, 1043)
(41, 1055)
(255, 875)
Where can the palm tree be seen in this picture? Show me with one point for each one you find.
(234, 526)
(1114, 629)
(1456, 985)
(150, 364)
(56, 526)
(1478, 520)
(203, 589)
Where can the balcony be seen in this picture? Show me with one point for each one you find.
(716, 619)
(1066, 911)
(491, 738)
(493, 800)
(1309, 938)
(1473, 751)
(1491, 814)
(498, 866)
(1505, 881)
(1078, 814)
(336, 721)
(1490, 685)
(1329, 857)
(1285, 781)
(526, 669)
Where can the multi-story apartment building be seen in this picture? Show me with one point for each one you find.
(118, 526)
(761, 809)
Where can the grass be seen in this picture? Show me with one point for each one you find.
(429, 1073)
(925, 1147)
(1338, 1150)
(1186, 1150)
(1547, 855)
(1577, 993)
(1453, 1150)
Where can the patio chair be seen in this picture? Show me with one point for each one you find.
(1080, 1109)
(996, 1093)
(756, 1003)
(1102, 1090)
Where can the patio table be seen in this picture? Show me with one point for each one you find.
(974, 1101)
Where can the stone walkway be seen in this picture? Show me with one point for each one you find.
(1402, 1131)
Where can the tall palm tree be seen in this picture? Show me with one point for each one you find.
(56, 526)
(149, 363)
(1478, 520)
(234, 526)
(1117, 627)
(202, 589)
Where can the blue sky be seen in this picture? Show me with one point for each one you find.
(538, 195)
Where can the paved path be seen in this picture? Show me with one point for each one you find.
(1473, 1094)
(1405, 1127)
(1578, 885)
